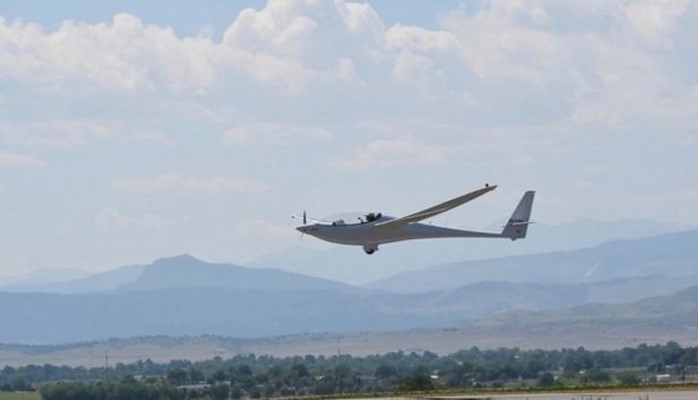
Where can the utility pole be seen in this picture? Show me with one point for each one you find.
(106, 366)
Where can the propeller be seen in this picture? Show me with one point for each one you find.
(303, 217)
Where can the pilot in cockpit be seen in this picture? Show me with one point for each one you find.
(370, 217)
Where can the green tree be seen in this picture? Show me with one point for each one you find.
(418, 380)
(342, 372)
(236, 392)
(546, 380)
(219, 376)
(628, 378)
(177, 376)
(596, 375)
(385, 371)
(299, 370)
(220, 391)
(195, 375)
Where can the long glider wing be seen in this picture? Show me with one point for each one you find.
(435, 210)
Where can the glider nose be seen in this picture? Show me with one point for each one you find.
(306, 230)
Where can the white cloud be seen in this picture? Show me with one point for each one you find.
(655, 18)
(504, 41)
(64, 133)
(90, 52)
(19, 160)
(414, 38)
(346, 71)
(298, 44)
(280, 26)
(413, 69)
(275, 134)
(130, 56)
(154, 136)
(305, 42)
(682, 202)
(175, 182)
(388, 153)
(591, 57)
(259, 227)
(588, 58)
(360, 17)
(587, 178)
(111, 218)
(237, 135)
(518, 147)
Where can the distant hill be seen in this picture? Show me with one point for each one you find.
(40, 278)
(186, 271)
(678, 310)
(186, 296)
(100, 282)
(350, 265)
(484, 299)
(182, 271)
(651, 321)
(670, 254)
(52, 318)
(182, 295)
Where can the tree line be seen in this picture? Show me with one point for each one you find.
(256, 377)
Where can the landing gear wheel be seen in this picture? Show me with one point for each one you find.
(370, 249)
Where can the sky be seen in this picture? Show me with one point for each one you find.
(133, 130)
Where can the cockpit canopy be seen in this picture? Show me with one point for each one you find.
(370, 217)
(354, 218)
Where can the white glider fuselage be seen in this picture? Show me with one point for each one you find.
(369, 233)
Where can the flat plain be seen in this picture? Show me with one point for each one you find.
(621, 395)
(592, 335)
(20, 396)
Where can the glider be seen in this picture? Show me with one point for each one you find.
(369, 230)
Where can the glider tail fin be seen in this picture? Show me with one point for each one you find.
(518, 223)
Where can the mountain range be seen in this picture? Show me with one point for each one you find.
(179, 296)
(670, 255)
(348, 264)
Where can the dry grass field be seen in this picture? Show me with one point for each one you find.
(441, 341)
(620, 395)
(20, 396)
